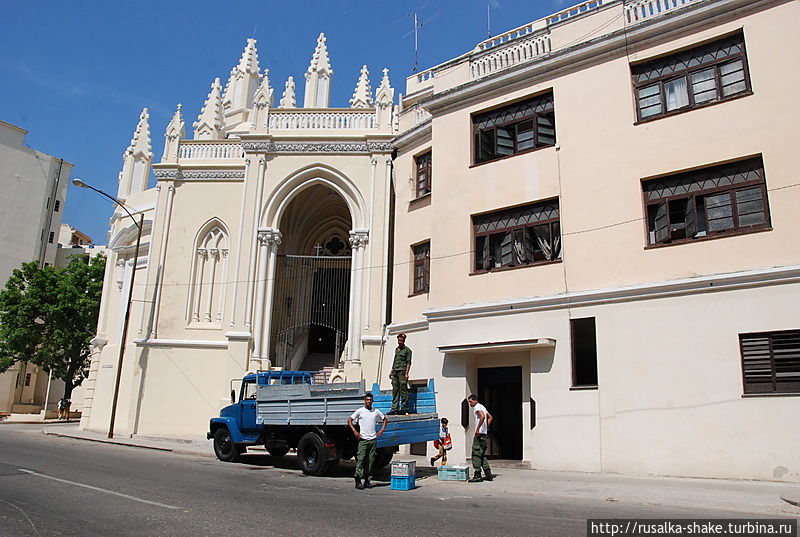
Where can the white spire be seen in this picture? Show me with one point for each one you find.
(362, 96)
(288, 100)
(136, 159)
(242, 84)
(263, 100)
(176, 131)
(318, 77)
(140, 143)
(320, 61)
(249, 62)
(209, 123)
(384, 98)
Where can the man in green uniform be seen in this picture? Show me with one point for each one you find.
(399, 376)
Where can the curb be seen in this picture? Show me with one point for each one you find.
(109, 441)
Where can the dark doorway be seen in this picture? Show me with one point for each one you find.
(500, 391)
(327, 330)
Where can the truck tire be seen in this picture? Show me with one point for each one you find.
(383, 457)
(224, 447)
(278, 451)
(312, 455)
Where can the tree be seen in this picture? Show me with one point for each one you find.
(48, 316)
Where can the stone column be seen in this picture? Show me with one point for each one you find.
(248, 314)
(358, 240)
(162, 253)
(268, 240)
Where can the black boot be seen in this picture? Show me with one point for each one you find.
(476, 478)
(367, 484)
(359, 485)
(488, 475)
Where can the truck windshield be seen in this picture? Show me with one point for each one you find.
(248, 391)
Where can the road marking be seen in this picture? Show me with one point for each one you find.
(98, 489)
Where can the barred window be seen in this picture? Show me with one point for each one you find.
(696, 77)
(423, 167)
(516, 237)
(422, 267)
(771, 361)
(513, 129)
(720, 200)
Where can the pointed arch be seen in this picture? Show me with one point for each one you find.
(210, 254)
(315, 174)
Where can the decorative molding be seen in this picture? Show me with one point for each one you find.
(359, 238)
(269, 237)
(185, 343)
(198, 175)
(417, 325)
(688, 286)
(318, 147)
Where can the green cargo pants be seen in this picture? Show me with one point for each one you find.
(365, 458)
(479, 460)
(399, 390)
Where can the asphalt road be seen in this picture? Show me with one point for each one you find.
(58, 486)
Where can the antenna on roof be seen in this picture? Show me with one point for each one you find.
(417, 25)
(488, 21)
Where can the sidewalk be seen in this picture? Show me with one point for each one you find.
(750, 497)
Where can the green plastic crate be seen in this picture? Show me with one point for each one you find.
(453, 473)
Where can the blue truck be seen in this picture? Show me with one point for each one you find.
(284, 410)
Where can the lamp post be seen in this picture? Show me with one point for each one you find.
(139, 225)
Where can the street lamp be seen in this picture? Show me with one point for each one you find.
(139, 225)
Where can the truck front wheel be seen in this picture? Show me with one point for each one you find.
(224, 447)
(384, 457)
(313, 455)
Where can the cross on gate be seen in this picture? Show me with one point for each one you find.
(318, 248)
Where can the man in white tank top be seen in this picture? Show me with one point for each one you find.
(482, 421)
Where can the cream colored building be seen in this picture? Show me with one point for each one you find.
(585, 220)
(34, 186)
(608, 209)
(265, 244)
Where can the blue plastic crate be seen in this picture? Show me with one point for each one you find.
(453, 473)
(408, 482)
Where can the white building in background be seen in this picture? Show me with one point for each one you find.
(72, 242)
(589, 221)
(34, 186)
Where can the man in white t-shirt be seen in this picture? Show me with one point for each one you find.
(366, 417)
(482, 421)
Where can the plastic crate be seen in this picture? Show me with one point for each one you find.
(453, 473)
(408, 482)
(404, 468)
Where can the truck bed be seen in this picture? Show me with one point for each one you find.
(332, 404)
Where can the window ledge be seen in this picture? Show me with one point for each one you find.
(582, 388)
(425, 292)
(770, 394)
(555, 146)
(420, 200)
(736, 233)
(515, 267)
(692, 109)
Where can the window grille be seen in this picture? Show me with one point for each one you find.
(719, 200)
(516, 128)
(696, 77)
(518, 236)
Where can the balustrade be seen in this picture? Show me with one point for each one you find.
(208, 151)
(281, 120)
(639, 10)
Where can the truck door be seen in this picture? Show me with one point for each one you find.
(247, 404)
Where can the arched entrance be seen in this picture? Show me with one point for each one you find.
(311, 288)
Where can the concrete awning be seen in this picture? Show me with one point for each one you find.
(498, 346)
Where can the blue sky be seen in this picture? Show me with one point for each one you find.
(76, 75)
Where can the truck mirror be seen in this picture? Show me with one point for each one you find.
(233, 396)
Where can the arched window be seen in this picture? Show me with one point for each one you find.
(207, 294)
